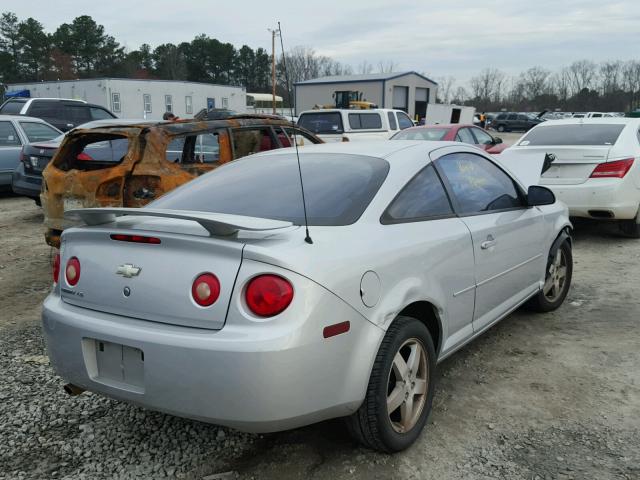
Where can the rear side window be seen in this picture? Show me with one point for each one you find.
(579, 134)
(12, 107)
(77, 114)
(393, 125)
(422, 198)
(322, 122)
(202, 148)
(478, 185)
(338, 188)
(365, 121)
(99, 114)
(38, 132)
(502, 116)
(247, 141)
(427, 133)
(8, 135)
(464, 135)
(45, 109)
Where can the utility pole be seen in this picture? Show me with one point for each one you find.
(274, 33)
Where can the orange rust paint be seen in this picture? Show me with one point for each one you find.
(143, 174)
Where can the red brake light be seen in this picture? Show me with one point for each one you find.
(617, 169)
(72, 272)
(268, 295)
(205, 289)
(83, 156)
(56, 268)
(134, 238)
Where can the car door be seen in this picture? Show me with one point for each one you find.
(10, 145)
(426, 230)
(483, 139)
(464, 135)
(507, 235)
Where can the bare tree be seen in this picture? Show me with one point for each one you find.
(486, 87)
(582, 74)
(460, 96)
(631, 76)
(445, 89)
(534, 81)
(610, 76)
(365, 67)
(561, 84)
(386, 66)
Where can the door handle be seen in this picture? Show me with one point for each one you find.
(488, 243)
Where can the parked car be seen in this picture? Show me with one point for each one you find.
(340, 125)
(212, 303)
(62, 113)
(456, 133)
(595, 170)
(509, 122)
(592, 115)
(130, 165)
(27, 177)
(15, 131)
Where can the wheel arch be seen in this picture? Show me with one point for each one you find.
(427, 313)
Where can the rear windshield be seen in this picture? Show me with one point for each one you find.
(12, 107)
(337, 188)
(434, 134)
(322, 122)
(93, 152)
(39, 132)
(580, 134)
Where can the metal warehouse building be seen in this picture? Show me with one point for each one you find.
(133, 98)
(408, 91)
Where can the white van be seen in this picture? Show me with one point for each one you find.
(339, 125)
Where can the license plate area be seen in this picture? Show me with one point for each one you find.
(114, 364)
(71, 204)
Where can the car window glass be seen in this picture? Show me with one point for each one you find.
(365, 121)
(477, 184)
(174, 150)
(77, 114)
(502, 116)
(423, 197)
(513, 116)
(247, 141)
(393, 125)
(577, 134)
(523, 118)
(38, 132)
(482, 137)
(207, 149)
(404, 121)
(302, 138)
(322, 122)
(338, 188)
(105, 151)
(99, 114)
(421, 133)
(464, 136)
(12, 107)
(8, 135)
(44, 109)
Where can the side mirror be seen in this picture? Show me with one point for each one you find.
(538, 196)
(497, 140)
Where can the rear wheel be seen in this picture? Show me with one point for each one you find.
(557, 280)
(400, 391)
(631, 228)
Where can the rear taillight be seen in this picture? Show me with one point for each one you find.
(55, 268)
(268, 295)
(135, 238)
(72, 271)
(205, 289)
(617, 169)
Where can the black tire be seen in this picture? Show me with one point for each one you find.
(501, 128)
(371, 424)
(542, 302)
(631, 228)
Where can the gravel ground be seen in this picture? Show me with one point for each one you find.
(553, 396)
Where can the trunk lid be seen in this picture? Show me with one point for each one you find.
(150, 281)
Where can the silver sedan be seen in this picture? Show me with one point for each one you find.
(214, 303)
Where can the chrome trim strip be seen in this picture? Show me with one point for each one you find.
(464, 291)
(490, 279)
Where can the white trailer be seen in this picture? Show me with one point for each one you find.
(445, 113)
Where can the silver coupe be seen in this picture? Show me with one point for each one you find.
(213, 303)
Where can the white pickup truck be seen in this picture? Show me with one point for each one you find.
(339, 125)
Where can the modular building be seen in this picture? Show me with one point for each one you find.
(137, 98)
(408, 91)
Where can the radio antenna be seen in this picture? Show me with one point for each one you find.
(307, 237)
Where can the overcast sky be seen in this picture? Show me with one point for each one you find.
(440, 38)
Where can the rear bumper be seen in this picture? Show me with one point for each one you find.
(618, 198)
(26, 185)
(256, 378)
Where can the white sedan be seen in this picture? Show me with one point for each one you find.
(595, 166)
(214, 303)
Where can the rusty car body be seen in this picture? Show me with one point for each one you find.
(130, 165)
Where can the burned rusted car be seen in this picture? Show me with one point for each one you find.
(130, 165)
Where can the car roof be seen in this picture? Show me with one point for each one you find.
(592, 121)
(352, 110)
(442, 125)
(22, 118)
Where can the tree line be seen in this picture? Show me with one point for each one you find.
(82, 49)
(610, 86)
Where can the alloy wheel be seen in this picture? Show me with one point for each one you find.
(556, 277)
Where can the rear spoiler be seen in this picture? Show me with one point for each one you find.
(214, 223)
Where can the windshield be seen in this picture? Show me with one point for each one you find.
(338, 188)
(322, 122)
(578, 134)
(421, 134)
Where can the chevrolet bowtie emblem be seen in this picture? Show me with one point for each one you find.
(128, 270)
